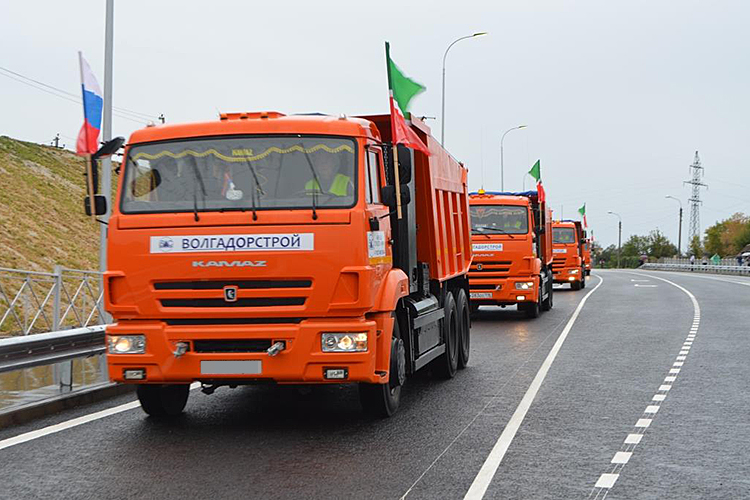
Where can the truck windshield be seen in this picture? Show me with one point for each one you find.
(499, 219)
(563, 235)
(240, 173)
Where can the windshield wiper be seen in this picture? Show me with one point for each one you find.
(317, 182)
(195, 191)
(257, 191)
(482, 230)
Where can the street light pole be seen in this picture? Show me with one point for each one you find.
(679, 234)
(442, 114)
(619, 237)
(502, 168)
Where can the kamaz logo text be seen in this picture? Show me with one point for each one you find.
(234, 263)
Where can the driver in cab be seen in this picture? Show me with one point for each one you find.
(333, 182)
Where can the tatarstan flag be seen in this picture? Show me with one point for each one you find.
(582, 211)
(402, 90)
(536, 173)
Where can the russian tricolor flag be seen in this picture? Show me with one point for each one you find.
(88, 137)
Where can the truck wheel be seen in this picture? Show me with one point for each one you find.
(588, 272)
(382, 400)
(547, 303)
(464, 331)
(583, 277)
(163, 400)
(532, 309)
(575, 285)
(447, 364)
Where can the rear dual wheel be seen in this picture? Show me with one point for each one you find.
(464, 323)
(447, 364)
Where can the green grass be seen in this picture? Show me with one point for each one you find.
(41, 210)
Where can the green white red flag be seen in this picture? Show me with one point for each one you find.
(401, 91)
(536, 173)
(582, 211)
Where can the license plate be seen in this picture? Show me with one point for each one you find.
(231, 367)
(559, 250)
(480, 295)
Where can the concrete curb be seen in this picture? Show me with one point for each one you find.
(24, 413)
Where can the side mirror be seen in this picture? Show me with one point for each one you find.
(100, 205)
(109, 148)
(388, 196)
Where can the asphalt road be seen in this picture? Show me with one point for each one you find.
(542, 411)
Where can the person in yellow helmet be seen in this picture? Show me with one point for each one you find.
(333, 183)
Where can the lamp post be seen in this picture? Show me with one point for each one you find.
(442, 115)
(619, 236)
(502, 170)
(679, 234)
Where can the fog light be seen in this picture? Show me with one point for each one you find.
(520, 297)
(336, 373)
(571, 278)
(138, 374)
(524, 285)
(126, 344)
(344, 342)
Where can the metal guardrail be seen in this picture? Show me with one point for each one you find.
(46, 348)
(700, 268)
(32, 302)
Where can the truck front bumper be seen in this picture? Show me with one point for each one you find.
(302, 359)
(507, 294)
(567, 275)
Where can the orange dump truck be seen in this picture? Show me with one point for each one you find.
(268, 248)
(512, 246)
(567, 248)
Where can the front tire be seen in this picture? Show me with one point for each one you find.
(383, 400)
(163, 401)
(447, 364)
(583, 278)
(547, 303)
(532, 309)
(464, 323)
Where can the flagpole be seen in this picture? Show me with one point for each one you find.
(396, 176)
(106, 136)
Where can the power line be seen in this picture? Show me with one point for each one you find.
(27, 80)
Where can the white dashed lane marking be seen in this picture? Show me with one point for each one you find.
(608, 479)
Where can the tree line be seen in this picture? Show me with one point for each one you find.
(726, 238)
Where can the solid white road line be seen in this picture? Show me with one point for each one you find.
(68, 424)
(489, 468)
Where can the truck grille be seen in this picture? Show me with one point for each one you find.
(490, 267)
(231, 321)
(241, 345)
(247, 302)
(484, 286)
(241, 284)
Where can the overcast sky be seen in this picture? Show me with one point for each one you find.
(617, 95)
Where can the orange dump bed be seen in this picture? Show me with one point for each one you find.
(442, 205)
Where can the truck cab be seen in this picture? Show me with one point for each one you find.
(511, 242)
(567, 249)
(264, 247)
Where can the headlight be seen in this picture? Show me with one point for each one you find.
(574, 271)
(126, 344)
(524, 285)
(344, 342)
